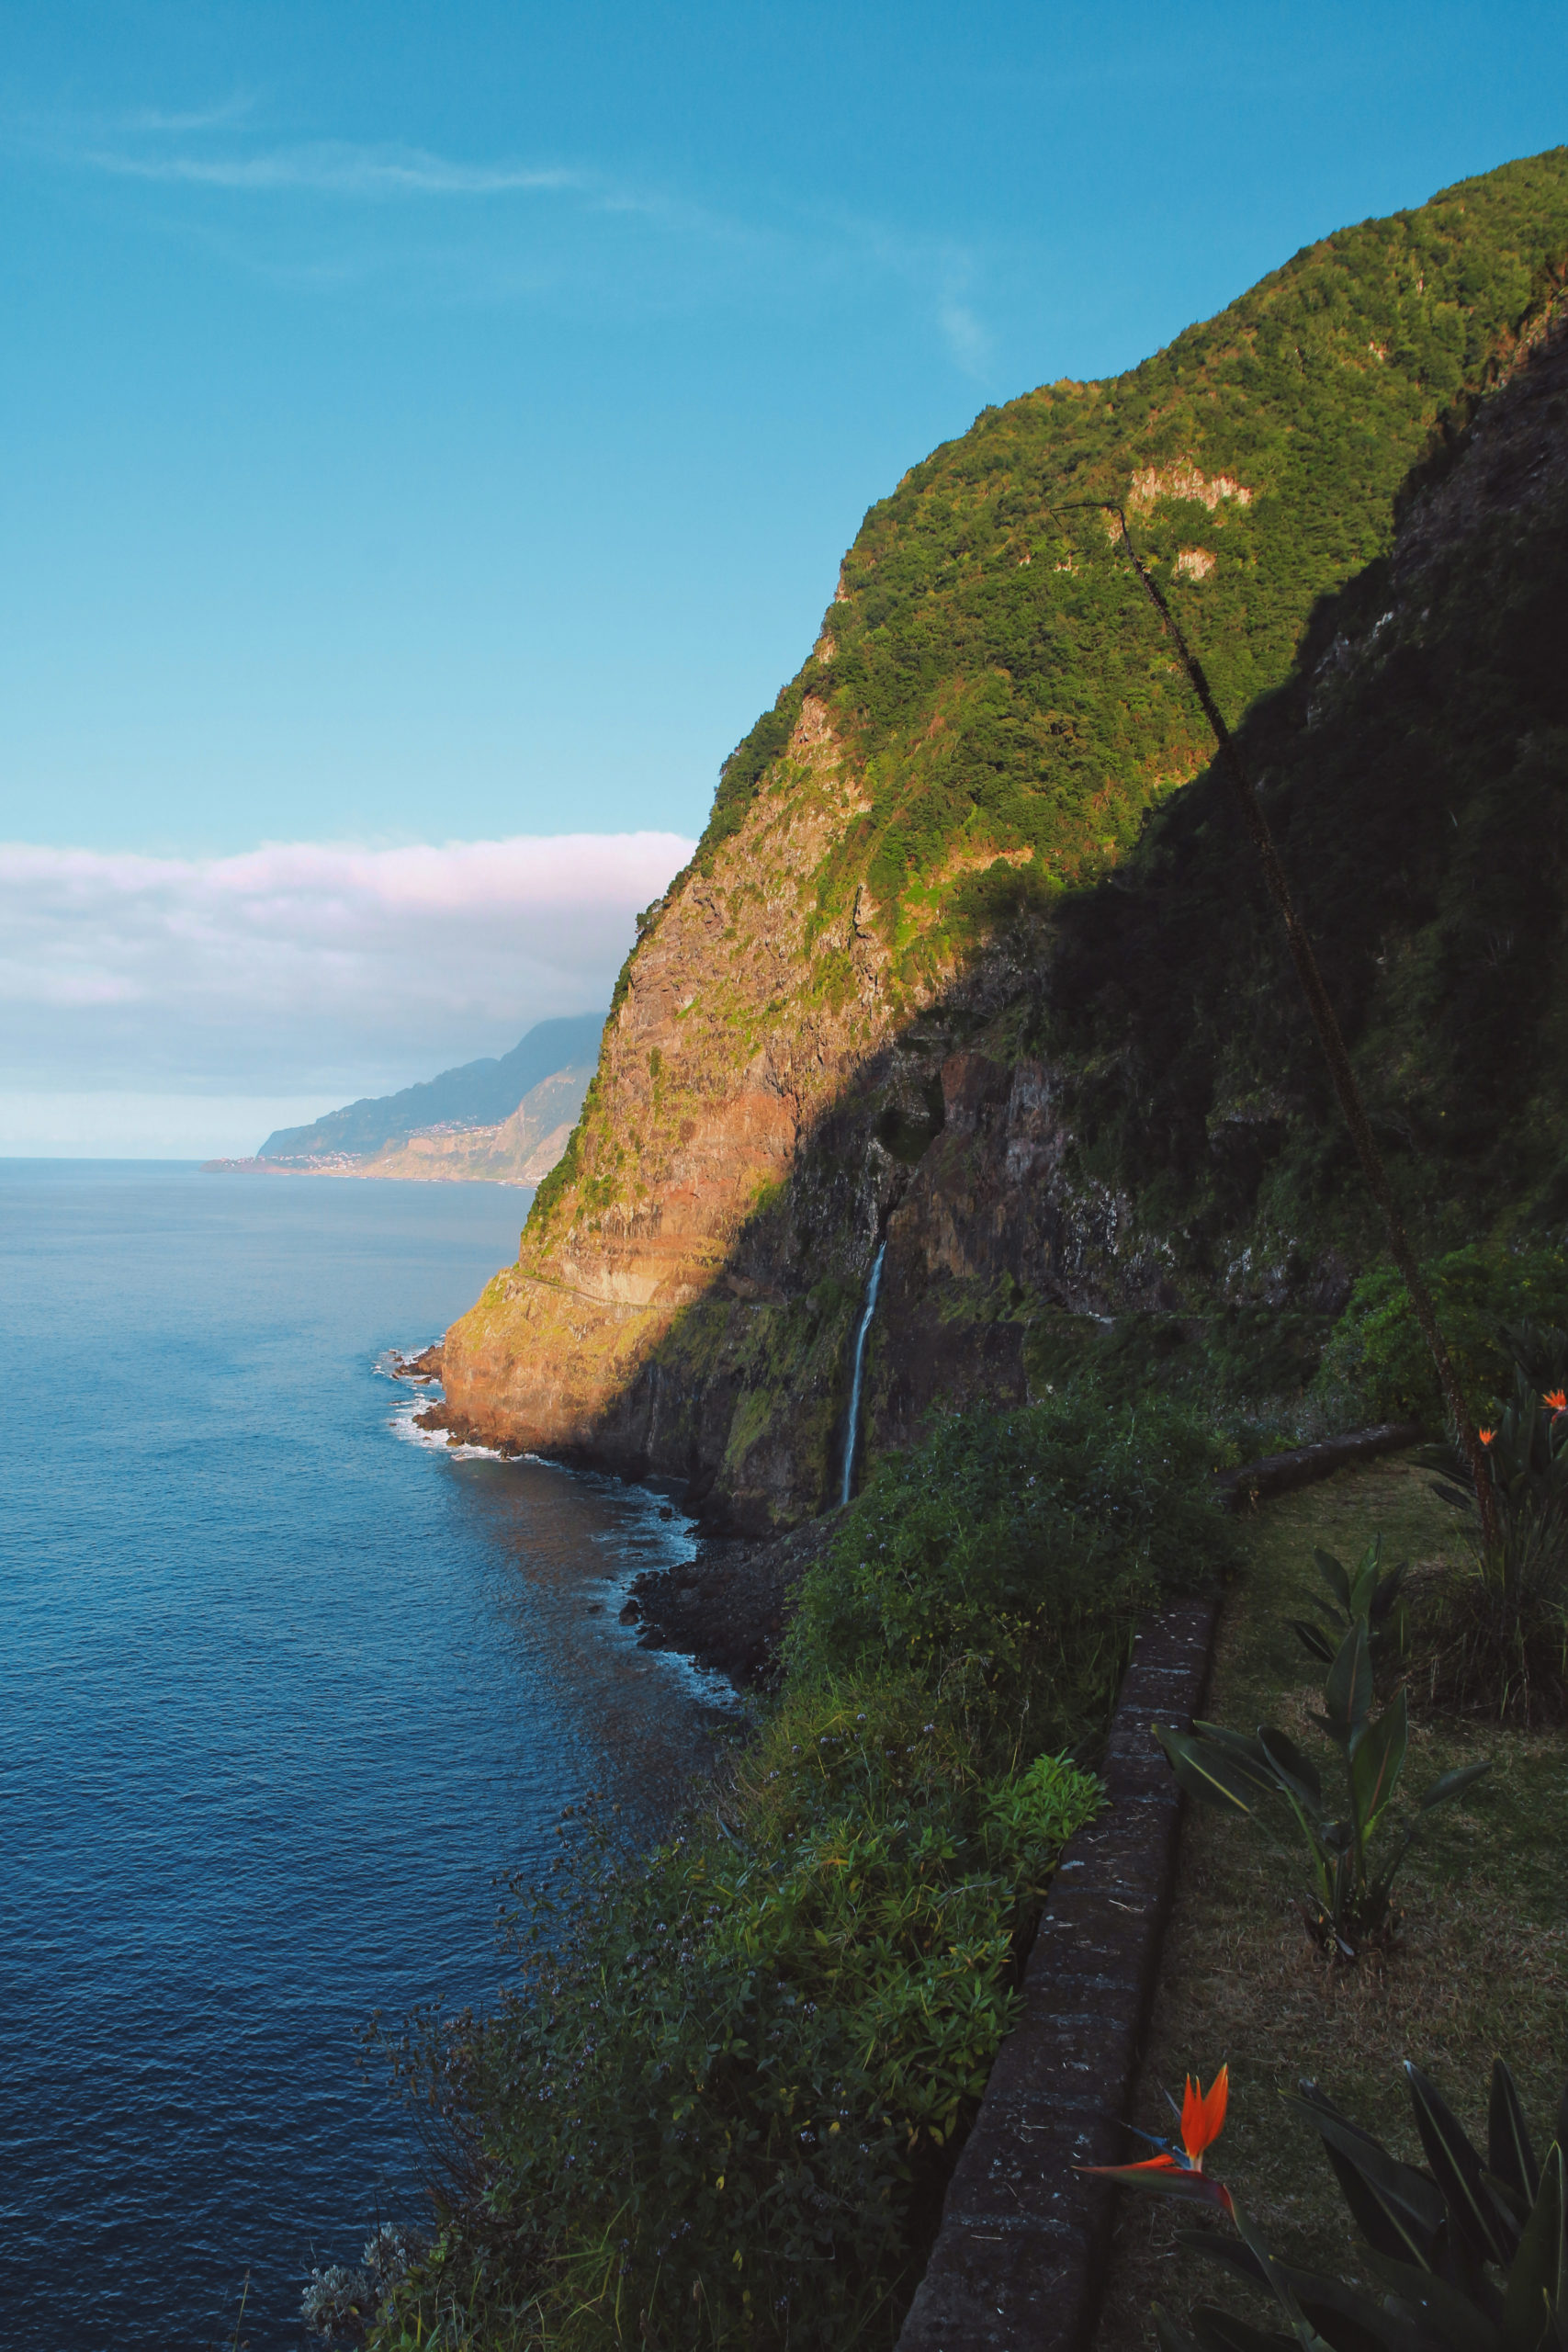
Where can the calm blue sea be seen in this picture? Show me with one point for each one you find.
(282, 1689)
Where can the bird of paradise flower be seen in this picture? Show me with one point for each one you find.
(1179, 2171)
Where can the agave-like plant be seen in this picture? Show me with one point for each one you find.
(1471, 2254)
(1366, 1591)
(1349, 1899)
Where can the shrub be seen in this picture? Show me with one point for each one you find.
(1504, 1635)
(1378, 1354)
(339, 2303)
(1015, 1551)
(1369, 1592)
(1348, 1902)
(729, 2072)
(719, 2102)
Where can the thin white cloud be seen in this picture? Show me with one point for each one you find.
(305, 968)
(151, 121)
(703, 254)
(334, 167)
(966, 338)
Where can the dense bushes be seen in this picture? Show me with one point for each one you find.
(723, 2091)
(711, 2101)
(1014, 1551)
(1377, 1354)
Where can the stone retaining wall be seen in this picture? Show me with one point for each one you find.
(1018, 2263)
(1020, 2259)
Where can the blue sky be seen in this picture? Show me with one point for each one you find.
(431, 425)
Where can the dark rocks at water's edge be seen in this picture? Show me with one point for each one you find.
(728, 1608)
(458, 1429)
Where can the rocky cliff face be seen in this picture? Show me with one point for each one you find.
(910, 986)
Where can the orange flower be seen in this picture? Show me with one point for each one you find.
(1486, 1436)
(1204, 2115)
(1556, 1400)
(1180, 2172)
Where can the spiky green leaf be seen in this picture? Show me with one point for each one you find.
(1211, 1773)
(1348, 1693)
(1489, 2231)
(1243, 1744)
(1535, 2303)
(1318, 1644)
(1448, 1785)
(1398, 2212)
(1327, 2301)
(1364, 1583)
(1450, 2319)
(1171, 2338)
(1296, 1770)
(1508, 2151)
(1306, 2335)
(1377, 1762)
(1334, 1575)
(1220, 2331)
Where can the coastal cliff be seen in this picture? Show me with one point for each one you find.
(970, 958)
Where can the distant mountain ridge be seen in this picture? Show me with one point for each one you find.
(520, 1150)
(476, 1094)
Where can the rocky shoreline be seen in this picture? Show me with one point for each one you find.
(727, 1608)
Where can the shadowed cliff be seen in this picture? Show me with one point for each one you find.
(948, 968)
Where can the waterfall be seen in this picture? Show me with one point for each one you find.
(853, 1430)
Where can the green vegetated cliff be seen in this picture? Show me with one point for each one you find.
(994, 679)
(971, 955)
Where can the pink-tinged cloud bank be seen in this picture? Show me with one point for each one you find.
(301, 970)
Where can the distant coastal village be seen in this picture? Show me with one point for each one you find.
(504, 1120)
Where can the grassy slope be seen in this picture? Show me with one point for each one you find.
(1484, 1969)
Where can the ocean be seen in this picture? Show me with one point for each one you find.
(284, 1689)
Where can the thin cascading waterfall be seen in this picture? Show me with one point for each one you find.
(852, 1433)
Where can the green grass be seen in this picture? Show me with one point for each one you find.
(1481, 1971)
